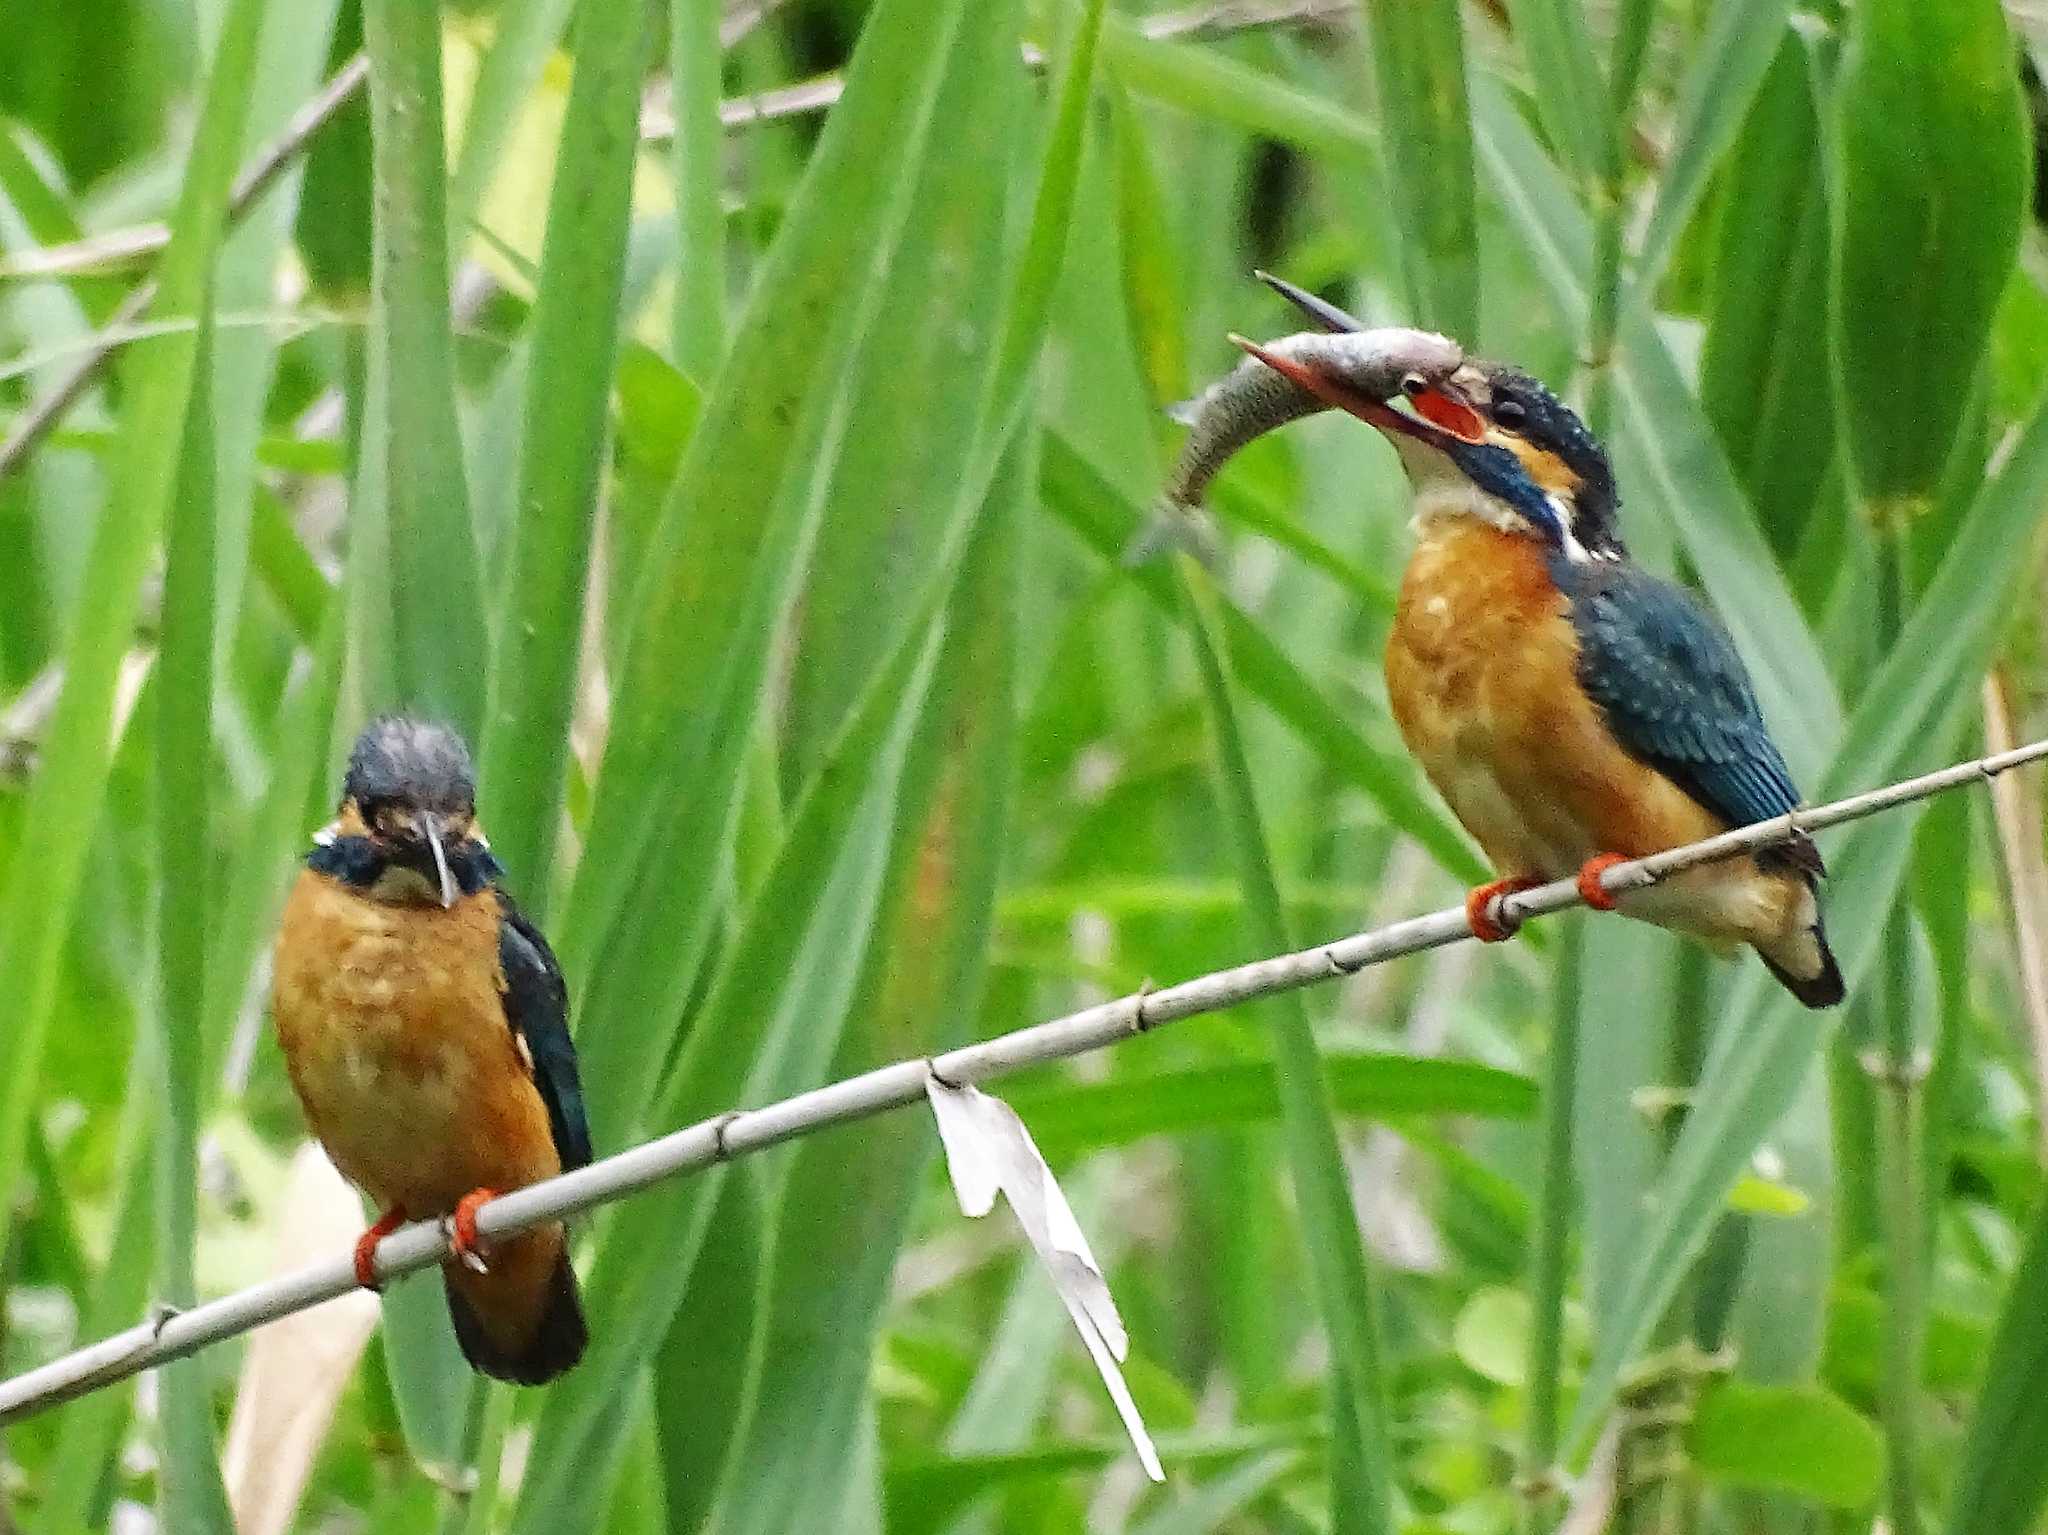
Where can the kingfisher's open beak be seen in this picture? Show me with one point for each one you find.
(430, 828)
(1440, 417)
(1437, 407)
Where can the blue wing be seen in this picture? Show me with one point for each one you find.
(537, 1007)
(1674, 691)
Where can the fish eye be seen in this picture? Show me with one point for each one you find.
(1510, 413)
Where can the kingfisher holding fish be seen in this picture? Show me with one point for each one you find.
(1573, 710)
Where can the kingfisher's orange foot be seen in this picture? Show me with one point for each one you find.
(465, 1243)
(1479, 908)
(1591, 891)
(366, 1246)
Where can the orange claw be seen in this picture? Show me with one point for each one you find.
(466, 1244)
(1591, 890)
(366, 1246)
(1479, 903)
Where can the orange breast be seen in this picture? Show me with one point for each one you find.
(394, 1032)
(1482, 677)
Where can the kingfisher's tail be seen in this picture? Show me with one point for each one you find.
(1806, 966)
(521, 1321)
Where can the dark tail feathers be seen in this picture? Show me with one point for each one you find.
(1822, 989)
(557, 1341)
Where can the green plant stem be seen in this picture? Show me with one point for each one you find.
(1899, 1069)
(1550, 1265)
(472, 1515)
(1361, 1467)
(1608, 194)
(698, 327)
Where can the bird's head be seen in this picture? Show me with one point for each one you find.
(407, 831)
(1487, 441)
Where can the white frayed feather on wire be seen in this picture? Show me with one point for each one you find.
(989, 1150)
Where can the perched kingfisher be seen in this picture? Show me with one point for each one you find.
(1574, 710)
(425, 1026)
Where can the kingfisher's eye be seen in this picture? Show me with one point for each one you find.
(1509, 413)
(1413, 384)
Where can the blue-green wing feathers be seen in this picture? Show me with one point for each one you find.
(1675, 693)
(537, 1007)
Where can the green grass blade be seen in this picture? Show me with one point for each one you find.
(297, 798)
(1932, 168)
(1419, 60)
(735, 540)
(1221, 89)
(704, 1376)
(296, 35)
(1571, 97)
(1362, 1486)
(1084, 498)
(93, 1428)
(917, 399)
(698, 334)
(65, 797)
(1725, 72)
(1219, 1501)
(575, 331)
(1767, 314)
(438, 628)
(2002, 1484)
(1072, 1118)
(769, 1026)
(192, 1497)
(832, 1273)
(525, 33)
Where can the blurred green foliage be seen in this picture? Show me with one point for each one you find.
(752, 481)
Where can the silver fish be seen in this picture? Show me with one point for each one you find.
(1252, 399)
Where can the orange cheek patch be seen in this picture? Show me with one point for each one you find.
(1440, 410)
(1545, 468)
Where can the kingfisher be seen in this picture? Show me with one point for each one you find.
(1574, 710)
(424, 1023)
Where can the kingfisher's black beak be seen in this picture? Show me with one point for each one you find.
(1442, 419)
(1326, 315)
(430, 828)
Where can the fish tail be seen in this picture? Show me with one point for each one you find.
(1171, 528)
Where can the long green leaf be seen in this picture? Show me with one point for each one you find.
(65, 797)
(1073, 1118)
(699, 328)
(569, 381)
(770, 1025)
(1362, 1480)
(832, 1274)
(1932, 143)
(1419, 60)
(1768, 307)
(438, 627)
(2003, 1483)
(193, 1498)
(734, 541)
(1722, 78)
